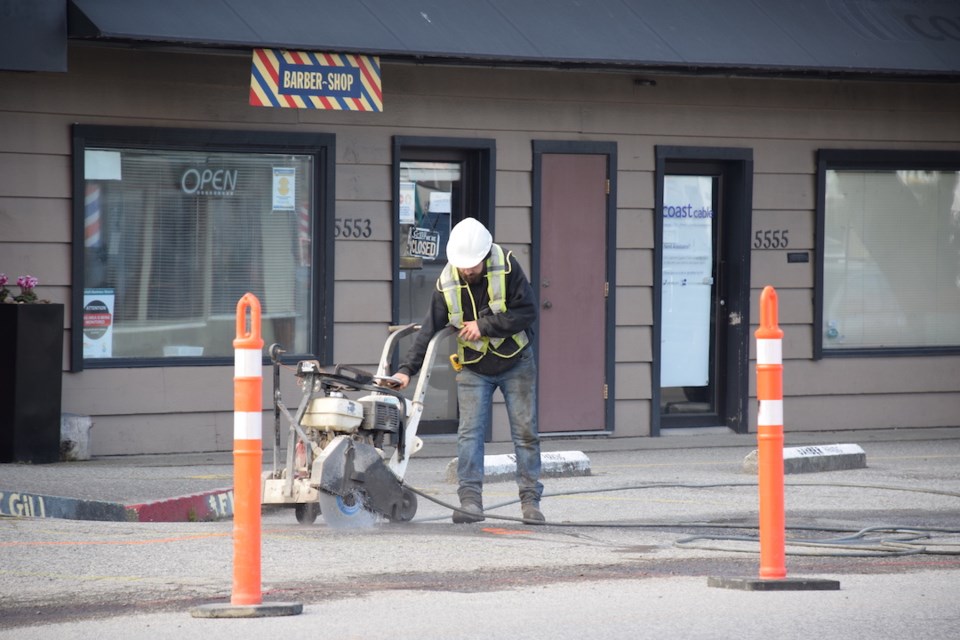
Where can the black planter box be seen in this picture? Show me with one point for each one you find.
(31, 370)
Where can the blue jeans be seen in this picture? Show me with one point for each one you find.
(475, 394)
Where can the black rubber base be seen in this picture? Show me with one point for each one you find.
(265, 610)
(785, 584)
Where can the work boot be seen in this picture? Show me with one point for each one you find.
(471, 510)
(531, 513)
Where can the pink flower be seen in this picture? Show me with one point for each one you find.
(27, 294)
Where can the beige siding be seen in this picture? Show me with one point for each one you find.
(783, 122)
(635, 267)
(48, 261)
(873, 376)
(167, 433)
(26, 220)
(360, 344)
(771, 268)
(633, 381)
(35, 175)
(633, 418)
(514, 223)
(849, 412)
(634, 344)
(635, 190)
(363, 260)
(634, 228)
(800, 224)
(513, 189)
(634, 306)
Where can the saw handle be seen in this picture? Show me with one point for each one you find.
(355, 374)
(389, 382)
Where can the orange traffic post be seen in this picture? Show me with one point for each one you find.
(770, 438)
(773, 570)
(247, 452)
(246, 599)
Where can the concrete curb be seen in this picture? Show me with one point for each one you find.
(40, 506)
(554, 464)
(815, 458)
(208, 505)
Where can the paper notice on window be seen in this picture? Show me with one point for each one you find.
(687, 281)
(408, 212)
(439, 202)
(284, 188)
(98, 323)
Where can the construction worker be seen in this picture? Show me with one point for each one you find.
(484, 293)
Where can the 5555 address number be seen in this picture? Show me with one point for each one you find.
(771, 239)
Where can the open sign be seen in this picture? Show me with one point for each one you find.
(423, 243)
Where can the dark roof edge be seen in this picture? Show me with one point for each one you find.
(480, 60)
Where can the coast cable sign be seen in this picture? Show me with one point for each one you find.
(308, 80)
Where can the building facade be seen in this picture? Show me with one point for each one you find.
(649, 207)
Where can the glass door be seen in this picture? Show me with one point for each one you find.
(691, 303)
(431, 202)
(437, 183)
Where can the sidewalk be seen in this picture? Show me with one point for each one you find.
(198, 486)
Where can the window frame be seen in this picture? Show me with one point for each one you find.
(866, 160)
(321, 146)
(480, 162)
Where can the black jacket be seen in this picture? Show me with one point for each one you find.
(520, 315)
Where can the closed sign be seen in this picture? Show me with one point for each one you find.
(424, 243)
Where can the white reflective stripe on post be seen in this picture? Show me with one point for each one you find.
(770, 413)
(769, 351)
(247, 425)
(247, 363)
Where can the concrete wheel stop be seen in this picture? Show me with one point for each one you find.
(553, 464)
(815, 458)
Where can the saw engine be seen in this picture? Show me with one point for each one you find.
(336, 462)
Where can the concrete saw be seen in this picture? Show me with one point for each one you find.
(347, 453)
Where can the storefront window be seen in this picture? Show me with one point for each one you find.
(173, 238)
(891, 259)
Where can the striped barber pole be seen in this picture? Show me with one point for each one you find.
(770, 439)
(91, 216)
(247, 452)
(303, 235)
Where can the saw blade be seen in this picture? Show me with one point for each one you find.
(346, 512)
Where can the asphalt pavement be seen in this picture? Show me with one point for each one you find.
(627, 551)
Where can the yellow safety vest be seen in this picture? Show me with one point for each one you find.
(449, 283)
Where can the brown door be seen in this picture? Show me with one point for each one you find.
(571, 286)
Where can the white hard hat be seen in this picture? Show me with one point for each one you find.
(469, 243)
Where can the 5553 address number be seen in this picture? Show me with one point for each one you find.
(352, 228)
